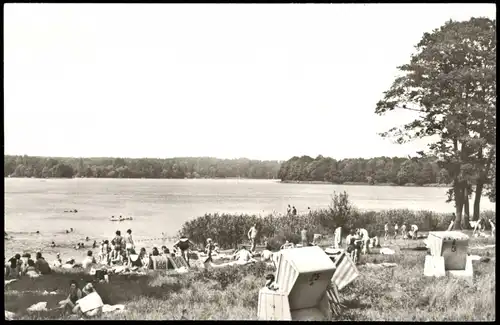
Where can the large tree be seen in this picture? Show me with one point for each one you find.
(451, 82)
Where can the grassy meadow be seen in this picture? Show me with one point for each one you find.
(390, 294)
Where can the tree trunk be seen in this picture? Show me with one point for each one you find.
(466, 219)
(477, 200)
(459, 206)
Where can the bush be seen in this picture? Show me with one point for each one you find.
(229, 231)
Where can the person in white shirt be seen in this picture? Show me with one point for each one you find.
(396, 228)
(414, 231)
(89, 260)
(363, 233)
(403, 231)
(386, 231)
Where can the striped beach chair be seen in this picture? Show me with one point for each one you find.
(345, 270)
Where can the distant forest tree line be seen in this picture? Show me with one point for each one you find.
(398, 171)
(204, 167)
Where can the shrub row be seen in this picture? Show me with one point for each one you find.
(230, 230)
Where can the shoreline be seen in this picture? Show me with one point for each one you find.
(364, 184)
(245, 179)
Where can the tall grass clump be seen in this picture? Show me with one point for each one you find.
(230, 230)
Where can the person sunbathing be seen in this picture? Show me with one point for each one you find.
(287, 245)
(58, 261)
(165, 251)
(92, 307)
(31, 270)
(266, 255)
(89, 260)
(75, 294)
(41, 264)
(244, 256)
(116, 256)
(135, 260)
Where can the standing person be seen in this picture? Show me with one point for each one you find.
(351, 248)
(309, 210)
(14, 269)
(403, 231)
(303, 236)
(184, 244)
(365, 239)
(414, 230)
(294, 211)
(117, 242)
(493, 228)
(396, 228)
(288, 210)
(209, 249)
(386, 231)
(129, 242)
(252, 235)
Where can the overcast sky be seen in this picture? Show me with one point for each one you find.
(256, 81)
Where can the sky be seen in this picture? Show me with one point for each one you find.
(242, 80)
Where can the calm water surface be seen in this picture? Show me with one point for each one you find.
(164, 205)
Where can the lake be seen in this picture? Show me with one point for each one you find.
(164, 205)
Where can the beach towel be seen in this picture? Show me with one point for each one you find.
(9, 315)
(110, 308)
(90, 302)
(387, 251)
(40, 306)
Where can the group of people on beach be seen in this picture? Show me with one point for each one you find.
(405, 233)
(22, 265)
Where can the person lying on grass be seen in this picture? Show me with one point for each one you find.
(243, 257)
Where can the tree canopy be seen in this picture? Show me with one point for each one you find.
(385, 170)
(451, 82)
(203, 167)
